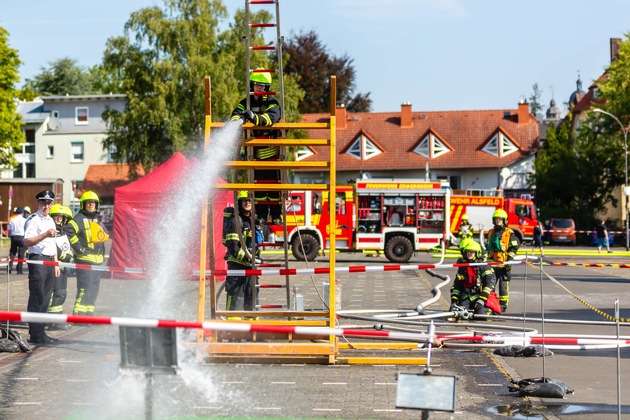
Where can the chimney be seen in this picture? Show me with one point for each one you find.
(523, 112)
(614, 48)
(340, 114)
(405, 115)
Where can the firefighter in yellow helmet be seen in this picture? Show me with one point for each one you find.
(465, 228)
(473, 285)
(502, 246)
(264, 111)
(240, 290)
(61, 215)
(87, 242)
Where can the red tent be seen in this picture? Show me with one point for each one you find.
(136, 208)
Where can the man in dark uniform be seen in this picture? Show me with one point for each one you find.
(39, 236)
(264, 111)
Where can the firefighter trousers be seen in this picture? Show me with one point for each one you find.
(503, 275)
(59, 293)
(88, 285)
(239, 290)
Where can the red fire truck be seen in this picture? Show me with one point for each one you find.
(396, 217)
(479, 205)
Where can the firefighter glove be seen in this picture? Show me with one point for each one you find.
(258, 260)
(479, 305)
(248, 115)
(454, 307)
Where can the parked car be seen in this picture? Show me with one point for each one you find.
(562, 231)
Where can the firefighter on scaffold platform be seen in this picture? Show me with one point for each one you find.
(264, 111)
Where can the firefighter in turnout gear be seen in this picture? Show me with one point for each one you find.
(502, 246)
(473, 286)
(465, 229)
(61, 215)
(239, 288)
(87, 239)
(264, 111)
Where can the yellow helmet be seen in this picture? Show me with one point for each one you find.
(56, 210)
(243, 195)
(67, 212)
(465, 217)
(500, 214)
(262, 77)
(89, 196)
(471, 245)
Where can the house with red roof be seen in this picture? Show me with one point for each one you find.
(475, 149)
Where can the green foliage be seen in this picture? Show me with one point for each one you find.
(10, 122)
(63, 77)
(535, 106)
(160, 64)
(311, 64)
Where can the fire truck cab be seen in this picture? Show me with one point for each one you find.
(397, 218)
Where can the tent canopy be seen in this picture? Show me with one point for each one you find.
(138, 205)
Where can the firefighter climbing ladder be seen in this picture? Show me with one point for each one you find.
(284, 347)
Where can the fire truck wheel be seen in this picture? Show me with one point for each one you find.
(399, 249)
(310, 244)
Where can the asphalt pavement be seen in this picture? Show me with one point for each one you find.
(81, 377)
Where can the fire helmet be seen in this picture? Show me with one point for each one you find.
(56, 210)
(500, 214)
(465, 218)
(89, 196)
(471, 245)
(243, 195)
(261, 77)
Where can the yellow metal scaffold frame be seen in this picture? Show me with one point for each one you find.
(222, 347)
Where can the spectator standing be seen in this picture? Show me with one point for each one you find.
(39, 237)
(602, 236)
(88, 248)
(502, 247)
(16, 233)
(538, 238)
(61, 215)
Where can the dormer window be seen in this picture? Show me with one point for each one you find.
(431, 147)
(500, 145)
(363, 148)
(81, 115)
(302, 152)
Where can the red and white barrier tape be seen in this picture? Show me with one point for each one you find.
(206, 325)
(281, 271)
(528, 340)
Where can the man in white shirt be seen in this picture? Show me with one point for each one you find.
(16, 233)
(39, 237)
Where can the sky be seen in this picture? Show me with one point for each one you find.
(439, 55)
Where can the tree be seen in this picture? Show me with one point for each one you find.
(309, 61)
(10, 121)
(534, 101)
(63, 77)
(160, 63)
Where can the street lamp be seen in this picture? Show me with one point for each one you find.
(626, 188)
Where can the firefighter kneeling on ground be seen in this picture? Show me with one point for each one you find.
(473, 288)
(239, 288)
(502, 247)
(264, 111)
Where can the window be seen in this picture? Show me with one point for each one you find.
(54, 114)
(81, 115)
(111, 153)
(500, 145)
(431, 146)
(302, 152)
(77, 151)
(363, 148)
(50, 153)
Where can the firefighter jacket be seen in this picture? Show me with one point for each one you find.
(502, 244)
(473, 282)
(465, 231)
(266, 111)
(80, 236)
(234, 252)
(64, 249)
